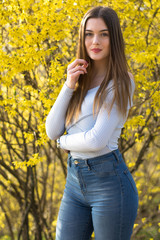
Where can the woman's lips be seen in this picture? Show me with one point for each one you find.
(96, 50)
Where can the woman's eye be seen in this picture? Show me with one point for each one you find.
(92, 34)
(105, 34)
(88, 34)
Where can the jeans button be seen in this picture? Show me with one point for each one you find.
(76, 162)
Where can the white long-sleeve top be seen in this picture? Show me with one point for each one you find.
(90, 136)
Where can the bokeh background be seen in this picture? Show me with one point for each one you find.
(38, 39)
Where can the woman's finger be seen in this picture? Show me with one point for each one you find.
(77, 62)
(77, 68)
(78, 73)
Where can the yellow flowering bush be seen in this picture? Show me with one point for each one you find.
(38, 40)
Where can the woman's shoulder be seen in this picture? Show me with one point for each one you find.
(111, 82)
(131, 76)
(111, 87)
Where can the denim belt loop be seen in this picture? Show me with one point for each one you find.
(89, 167)
(69, 160)
(116, 156)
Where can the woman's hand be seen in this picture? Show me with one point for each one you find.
(74, 70)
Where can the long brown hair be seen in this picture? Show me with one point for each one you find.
(117, 67)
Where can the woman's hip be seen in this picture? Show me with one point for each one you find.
(106, 174)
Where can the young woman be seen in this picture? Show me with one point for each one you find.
(100, 194)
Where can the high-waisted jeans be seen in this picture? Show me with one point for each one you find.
(101, 196)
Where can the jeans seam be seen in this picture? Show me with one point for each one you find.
(83, 236)
(121, 207)
(134, 187)
(81, 182)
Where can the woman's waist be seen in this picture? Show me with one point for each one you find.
(108, 158)
(90, 155)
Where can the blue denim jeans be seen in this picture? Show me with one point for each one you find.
(101, 196)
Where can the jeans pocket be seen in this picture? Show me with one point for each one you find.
(103, 169)
(131, 180)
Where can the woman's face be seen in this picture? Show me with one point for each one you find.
(97, 41)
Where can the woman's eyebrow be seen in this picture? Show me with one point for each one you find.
(103, 30)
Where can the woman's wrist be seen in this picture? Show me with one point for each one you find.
(70, 85)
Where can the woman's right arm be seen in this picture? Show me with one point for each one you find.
(55, 122)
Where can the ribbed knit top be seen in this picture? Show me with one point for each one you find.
(90, 136)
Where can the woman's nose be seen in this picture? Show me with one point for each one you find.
(96, 39)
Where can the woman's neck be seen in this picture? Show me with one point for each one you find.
(99, 68)
(98, 73)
